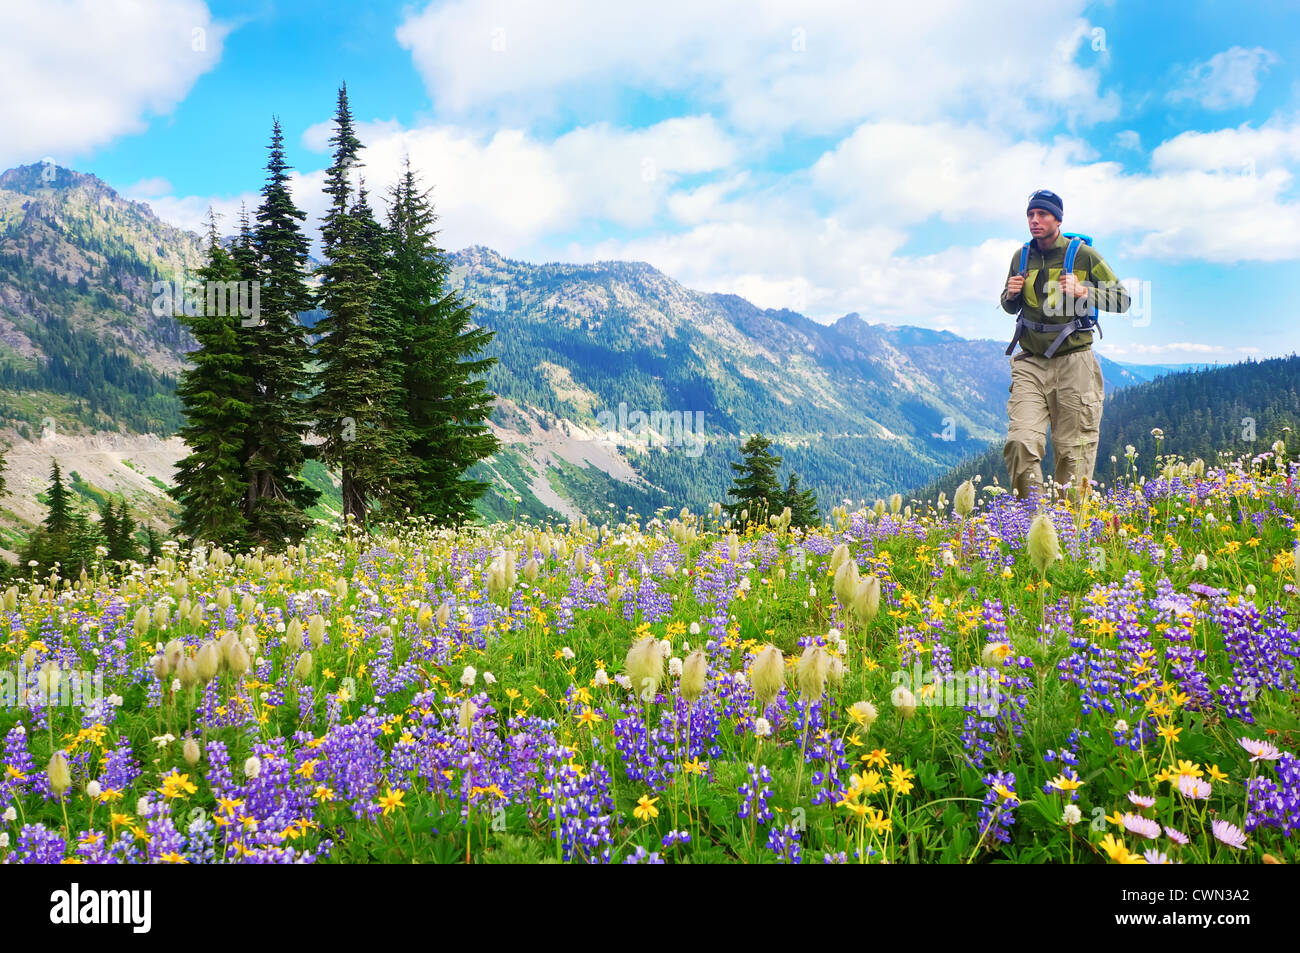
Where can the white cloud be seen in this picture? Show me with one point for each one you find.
(1220, 197)
(147, 188)
(1243, 149)
(510, 190)
(903, 173)
(1128, 139)
(782, 254)
(769, 66)
(695, 206)
(191, 211)
(1228, 79)
(79, 73)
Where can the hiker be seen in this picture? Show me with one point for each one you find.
(1055, 378)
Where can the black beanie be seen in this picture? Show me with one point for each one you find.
(1049, 202)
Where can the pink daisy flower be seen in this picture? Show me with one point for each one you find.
(1193, 787)
(1229, 834)
(1140, 800)
(1137, 824)
(1153, 856)
(1260, 750)
(1178, 837)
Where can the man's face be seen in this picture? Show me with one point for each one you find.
(1042, 223)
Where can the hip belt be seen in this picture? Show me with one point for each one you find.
(1062, 331)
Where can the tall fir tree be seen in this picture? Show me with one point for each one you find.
(59, 518)
(277, 498)
(355, 399)
(211, 482)
(444, 400)
(756, 487)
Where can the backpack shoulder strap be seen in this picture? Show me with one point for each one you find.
(1024, 258)
(1072, 252)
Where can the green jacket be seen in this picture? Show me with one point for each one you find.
(1105, 294)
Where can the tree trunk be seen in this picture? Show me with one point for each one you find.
(354, 501)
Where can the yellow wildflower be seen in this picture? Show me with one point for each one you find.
(645, 809)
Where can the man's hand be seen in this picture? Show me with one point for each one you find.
(1015, 284)
(1070, 285)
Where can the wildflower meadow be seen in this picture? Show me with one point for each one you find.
(1105, 680)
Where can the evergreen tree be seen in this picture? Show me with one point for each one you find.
(276, 500)
(443, 402)
(153, 545)
(355, 401)
(124, 548)
(82, 538)
(59, 519)
(72, 547)
(41, 548)
(110, 527)
(804, 511)
(756, 488)
(211, 482)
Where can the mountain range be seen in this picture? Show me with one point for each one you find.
(856, 409)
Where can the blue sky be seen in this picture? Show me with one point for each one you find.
(821, 156)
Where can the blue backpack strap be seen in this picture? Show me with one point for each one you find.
(1072, 252)
(1024, 269)
(1089, 320)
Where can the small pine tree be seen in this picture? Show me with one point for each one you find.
(124, 548)
(83, 537)
(41, 548)
(756, 488)
(153, 544)
(110, 527)
(804, 511)
(59, 519)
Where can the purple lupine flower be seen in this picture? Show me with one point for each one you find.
(999, 806)
(1272, 803)
(753, 797)
(784, 842)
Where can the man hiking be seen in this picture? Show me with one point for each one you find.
(1055, 378)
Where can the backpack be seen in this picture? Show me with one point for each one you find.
(1087, 322)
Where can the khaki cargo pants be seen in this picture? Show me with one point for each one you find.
(1067, 392)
